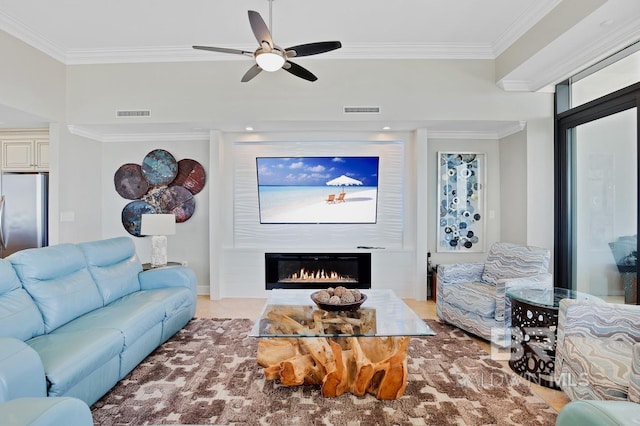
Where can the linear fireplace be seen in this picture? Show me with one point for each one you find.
(317, 270)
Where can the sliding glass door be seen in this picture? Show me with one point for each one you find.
(605, 200)
(596, 197)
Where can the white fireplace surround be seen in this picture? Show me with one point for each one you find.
(242, 265)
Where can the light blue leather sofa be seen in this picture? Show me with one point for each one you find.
(599, 413)
(77, 318)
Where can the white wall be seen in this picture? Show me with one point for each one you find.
(191, 242)
(540, 175)
(210, 94)
(77, 187)
(512, 215)
(492, 193)
(31, 81)
(406, 90)
(243, 241)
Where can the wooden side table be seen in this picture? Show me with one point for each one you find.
(432, 282)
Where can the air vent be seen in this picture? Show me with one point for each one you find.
(133, 113)
(361, 110)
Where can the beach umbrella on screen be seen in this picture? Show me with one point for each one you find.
(344, 181)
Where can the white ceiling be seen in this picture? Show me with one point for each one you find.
(98, 31)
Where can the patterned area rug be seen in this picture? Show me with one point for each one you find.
(207, 374)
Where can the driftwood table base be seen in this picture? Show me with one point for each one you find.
(359, 365)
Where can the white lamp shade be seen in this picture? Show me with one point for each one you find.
(157, 224)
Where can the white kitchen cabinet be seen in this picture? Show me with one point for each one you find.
(25, 152)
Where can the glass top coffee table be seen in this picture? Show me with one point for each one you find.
(361, 351)
(382, 314)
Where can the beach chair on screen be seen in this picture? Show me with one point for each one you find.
(340, 198)
(331, 199)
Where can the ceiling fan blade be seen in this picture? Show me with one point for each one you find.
(312, 48)
(253, 71)
(299, 71)
(223, 50)
(259, 28)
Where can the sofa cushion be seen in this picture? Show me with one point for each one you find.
(8, 279)
(69, 357)
(474, 297)
(133, 315)
(58, 281)
(506, 260)
(19, 316)
(114, 266)
(604, 363)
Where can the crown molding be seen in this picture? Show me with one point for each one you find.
(538, 10)
(541, 75)
(484, 135)
(20, 31)
(591, 53)
(514, 85)
(356, 51)
(508, 131)
(137, 137)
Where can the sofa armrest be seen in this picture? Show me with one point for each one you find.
(178, 276)
(45, 412)
(540, 281)
(596, 318)
(21, 371)
(460, 273)
(598, 413)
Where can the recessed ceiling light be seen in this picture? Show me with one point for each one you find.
(249, 129)
(386, 128)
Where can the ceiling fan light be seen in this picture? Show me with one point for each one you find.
(270, 61)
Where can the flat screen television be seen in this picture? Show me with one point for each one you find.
(317, 189)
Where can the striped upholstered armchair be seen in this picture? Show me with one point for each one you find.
(472, 296)
(598, 351)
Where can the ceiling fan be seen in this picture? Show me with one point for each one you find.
(271, 57)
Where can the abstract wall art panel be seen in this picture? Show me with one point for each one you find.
(461, 202)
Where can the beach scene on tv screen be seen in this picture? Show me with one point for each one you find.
(317, 189)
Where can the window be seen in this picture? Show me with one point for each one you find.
(596, 181)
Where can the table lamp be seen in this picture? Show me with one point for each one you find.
(158, 226)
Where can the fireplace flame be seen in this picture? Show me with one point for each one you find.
(318, 276)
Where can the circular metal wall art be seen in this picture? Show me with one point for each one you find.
(160, 185)
(129, 181)
(191, 175)
(131, 215)
(159, 167)
(179, 201)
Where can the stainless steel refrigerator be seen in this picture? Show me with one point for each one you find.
(23, 211)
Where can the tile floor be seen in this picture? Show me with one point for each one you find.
(251, 307)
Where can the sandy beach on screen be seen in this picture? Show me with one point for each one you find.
(358, 206)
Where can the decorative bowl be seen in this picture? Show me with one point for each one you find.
(334, 307)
